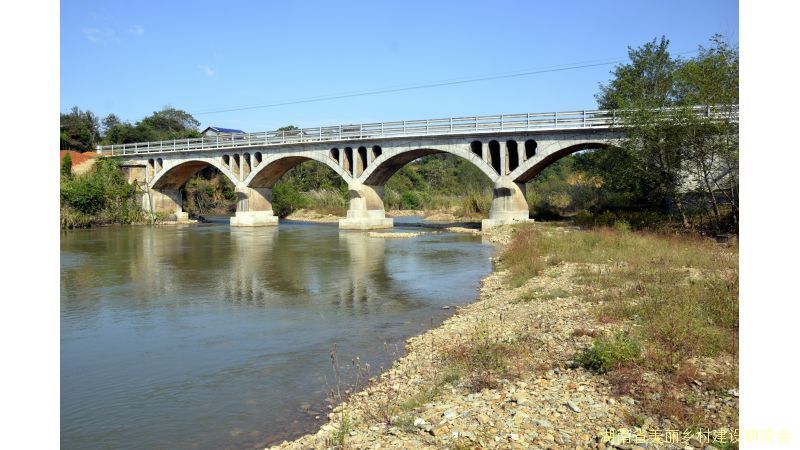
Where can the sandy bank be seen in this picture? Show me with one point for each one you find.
(375, 234)
(307, 215)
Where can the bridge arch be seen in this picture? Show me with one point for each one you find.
(387, 163)
(166, 178)
(175, 175)
(273, 167)
(547, 156)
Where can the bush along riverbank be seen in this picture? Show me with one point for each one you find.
(100, 196)
(580, 339)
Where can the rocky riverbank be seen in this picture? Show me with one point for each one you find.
(500, 373)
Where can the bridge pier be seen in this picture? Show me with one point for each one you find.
(165, 201)
(254, 208)
(366, 211)
(508, 204)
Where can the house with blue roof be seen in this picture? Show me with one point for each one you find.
(219, 131)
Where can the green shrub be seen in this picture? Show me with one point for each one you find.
(622, 226)
(66, 166)
(286, 198)
(607, 353)
(102, 188)
(101, 196)
(84, 193)
(391, 199)
(340, 434)
(410, 200)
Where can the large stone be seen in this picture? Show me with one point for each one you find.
(254, 219)
(366, 223)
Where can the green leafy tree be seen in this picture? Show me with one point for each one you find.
(647, 81)
(125, 133)
(712, 78)
(80, 130)
(286, 198)
(109, 122)
(66, 166)
(171, 123)
(678, 155)
(167, 124)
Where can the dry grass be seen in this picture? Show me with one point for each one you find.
(538, 294)
(327, 202)
(481, 361)
(678, 294)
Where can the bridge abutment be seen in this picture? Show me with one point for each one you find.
(508, 204)
(167, 201)
(254, 208)
(366, 211)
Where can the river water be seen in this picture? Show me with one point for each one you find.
(206, 336)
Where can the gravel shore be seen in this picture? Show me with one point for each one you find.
(542, 400)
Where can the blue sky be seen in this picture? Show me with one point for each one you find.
(133, 58)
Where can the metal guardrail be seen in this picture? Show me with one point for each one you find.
(566, 120)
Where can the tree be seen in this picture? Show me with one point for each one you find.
(125, 133)
(645, 82)
(80, 130)
(712, 78)
(167, 124)
(171, 123)
(680, 153)
(66, 166)
(110, 122)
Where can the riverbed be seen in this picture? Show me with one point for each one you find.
(206, 336)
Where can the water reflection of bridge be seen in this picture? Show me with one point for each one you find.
(268, 268)
(262, 266)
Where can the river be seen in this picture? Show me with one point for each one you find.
(206, 336)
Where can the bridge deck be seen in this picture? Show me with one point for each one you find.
(565, 120)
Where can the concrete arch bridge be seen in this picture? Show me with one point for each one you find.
(509, 149)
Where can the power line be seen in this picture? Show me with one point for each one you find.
(434, 84)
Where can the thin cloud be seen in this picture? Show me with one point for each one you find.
(98, 15)
(98, 35)
(208, 70)
(136, 30)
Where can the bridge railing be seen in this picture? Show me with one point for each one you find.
(585, 119)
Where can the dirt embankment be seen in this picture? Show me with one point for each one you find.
(81, 162)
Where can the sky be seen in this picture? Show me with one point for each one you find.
(134, 58)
